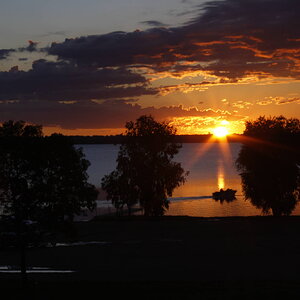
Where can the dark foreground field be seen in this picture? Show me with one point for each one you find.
(167, 258)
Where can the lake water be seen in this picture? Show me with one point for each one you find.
(210, 166)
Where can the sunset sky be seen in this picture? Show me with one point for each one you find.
(88, 66)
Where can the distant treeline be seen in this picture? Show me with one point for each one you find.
(118, 139)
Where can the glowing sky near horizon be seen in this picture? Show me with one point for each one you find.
(93, 65)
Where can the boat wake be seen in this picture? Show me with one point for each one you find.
(173, 199)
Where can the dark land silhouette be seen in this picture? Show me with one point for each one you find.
(168, 258)
(44, 184)
(119, 139)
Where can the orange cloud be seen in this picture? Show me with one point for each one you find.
(279, 100)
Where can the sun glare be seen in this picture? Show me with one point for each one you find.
(220, 131)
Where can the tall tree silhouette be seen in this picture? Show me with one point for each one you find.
(41, 178)
(15, 144)
(269, 163)
(145, 172)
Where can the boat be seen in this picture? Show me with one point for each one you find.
(224, 195)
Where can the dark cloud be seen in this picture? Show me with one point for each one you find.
(65, 81)
(4, 53)
(153, 23)
(32, 47)
(232, 38)
(185, 13)
(109, 114)
(117, 48)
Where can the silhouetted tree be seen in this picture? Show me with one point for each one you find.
(42, 174)
(61, 185)
(41, 178)
(145, 172)
(269, 163)
(15, 170)
(20, 129)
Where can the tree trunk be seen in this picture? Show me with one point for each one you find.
(23, 262)
(146, 211)
(129, 210)
(22, 248)
(276, 212)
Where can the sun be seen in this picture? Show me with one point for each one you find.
(220, 132)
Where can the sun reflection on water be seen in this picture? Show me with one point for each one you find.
(221, 176)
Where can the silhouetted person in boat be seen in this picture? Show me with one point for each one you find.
(224, 195)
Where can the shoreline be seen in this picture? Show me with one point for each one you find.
(202, 207)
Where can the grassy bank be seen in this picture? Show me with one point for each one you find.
(170, 258)
(153, 290)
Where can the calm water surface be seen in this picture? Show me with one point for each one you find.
(210, 166)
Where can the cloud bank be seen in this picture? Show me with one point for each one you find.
(229, 41)
(4, 53)
(88, 114)
(61, 80)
